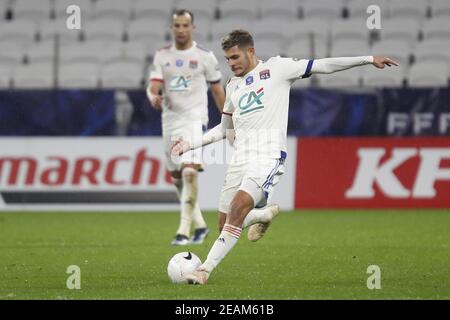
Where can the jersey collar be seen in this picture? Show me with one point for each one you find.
(174, 48)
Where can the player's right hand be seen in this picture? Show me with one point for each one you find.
(179, 147)
(156, 101)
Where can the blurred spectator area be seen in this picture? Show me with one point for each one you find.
(118, 39)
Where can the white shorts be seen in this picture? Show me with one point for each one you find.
(188, 132)
(257, 178)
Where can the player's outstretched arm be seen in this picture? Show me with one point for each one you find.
(331, 65)
(215, 134)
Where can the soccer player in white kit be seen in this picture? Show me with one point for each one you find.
(256, 106)
(182, 72)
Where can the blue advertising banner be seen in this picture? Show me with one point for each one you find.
(57, 113)
(378, 112)
(313, 112)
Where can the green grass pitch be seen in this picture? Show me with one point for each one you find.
(304, 255)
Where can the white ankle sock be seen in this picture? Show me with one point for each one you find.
(197, 217)
(227, 239)
(185, 221)
(256, 216)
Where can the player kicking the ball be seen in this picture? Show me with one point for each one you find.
(183, 70)
(256, 106)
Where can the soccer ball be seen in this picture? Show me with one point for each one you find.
(182, 264)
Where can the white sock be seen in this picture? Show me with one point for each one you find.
(227, 239)
(256, 216)
(197, 217)
(185, 219)
(188, 196)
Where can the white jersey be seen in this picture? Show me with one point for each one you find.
(259, 104)
(185, 74)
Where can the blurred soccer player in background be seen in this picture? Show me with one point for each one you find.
(256, 107)
(178, 87)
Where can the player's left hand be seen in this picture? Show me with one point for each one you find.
(380, 62)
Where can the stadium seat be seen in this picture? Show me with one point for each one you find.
(127, 52)
(412, 9)
(321, 9)
(346, 79)
(298, 50)
(349, 29)
(400, 29)
(440, 8)
(437, 28)
(5, 77)
(78, 76)
(216, 48)
(152, 9)
(41, 52)
(310, 32)
(112, 9)
(202, 31)
(349, 48)
(3, 7)
(264, 30)
(12, 52)
(86, 7)
(18, 31)
(281, 10)
(84, 52)
(146, 30)
(222, 27)
(225, 70)
(266, 49)
(433, 50)
(36, 76)
(358, 8)
(122, 75)
(429, 74)
(104, 30)
(238, 9)
(387, 77)
(202, 9)
(400, 51)
(49, 29)
(150, 46)
(36, 10)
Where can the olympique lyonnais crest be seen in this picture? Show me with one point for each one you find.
(193, 64)
(265, 74)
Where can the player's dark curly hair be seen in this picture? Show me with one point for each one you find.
(240, 38)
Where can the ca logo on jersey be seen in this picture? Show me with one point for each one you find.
(180, 83)
(251, 101)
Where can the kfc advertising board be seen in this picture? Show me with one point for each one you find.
(373, 173)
